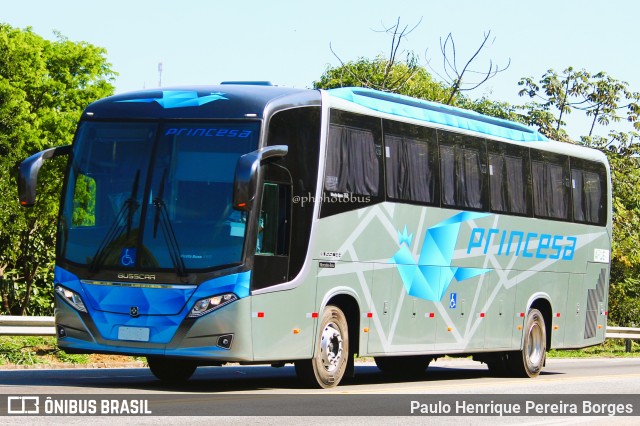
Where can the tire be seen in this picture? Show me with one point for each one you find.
(327, 368)
(171, 370)
(404, 366)
(529, 361)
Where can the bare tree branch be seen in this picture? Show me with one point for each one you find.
(387, 76)
(393, 79)
(456, 77)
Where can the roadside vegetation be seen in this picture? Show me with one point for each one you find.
(609, 349)
(33, 351)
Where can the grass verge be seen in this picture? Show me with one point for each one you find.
(44, 352)
(611, 348)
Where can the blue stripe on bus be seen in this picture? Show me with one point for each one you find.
(418, 109)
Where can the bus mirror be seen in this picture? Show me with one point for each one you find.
(246, 178)
(28, 174)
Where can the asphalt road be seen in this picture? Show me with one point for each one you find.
(616, 375)
(234, 388)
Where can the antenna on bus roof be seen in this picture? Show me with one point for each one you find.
(249, 83)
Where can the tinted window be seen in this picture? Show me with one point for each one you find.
(509, 179)
(462, 171)
(145, 200)
(588, 191)
(299, 129)
(550, 176)
(411, 163)
(353, 164)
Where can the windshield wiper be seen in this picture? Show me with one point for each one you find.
(162, 218)
(125, 213)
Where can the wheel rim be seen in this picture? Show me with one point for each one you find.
(535, 347)
(331, 347)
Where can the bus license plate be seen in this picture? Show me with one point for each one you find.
(139, 334)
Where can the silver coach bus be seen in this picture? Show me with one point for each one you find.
(260, 224)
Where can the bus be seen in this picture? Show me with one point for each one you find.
(257, 224)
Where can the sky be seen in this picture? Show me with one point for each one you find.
(289, 42)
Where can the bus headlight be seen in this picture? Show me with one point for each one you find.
(204, 306)
(71, 297)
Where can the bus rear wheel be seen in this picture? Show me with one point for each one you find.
(171, 370)
(327, 368)
(403, 365)
(529, 361)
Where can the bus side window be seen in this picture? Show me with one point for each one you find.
(588, 192)
(463, 172)
(273, 225)
(551, 183)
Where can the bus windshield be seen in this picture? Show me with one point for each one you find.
(155, 196)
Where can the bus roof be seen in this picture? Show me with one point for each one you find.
(418, 109)
(197, 102)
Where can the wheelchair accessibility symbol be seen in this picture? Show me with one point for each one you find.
(453, 300)
(128, 257)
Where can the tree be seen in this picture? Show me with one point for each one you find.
(376, 74)
(599, 96)
(454, 76)
(44, 86)
(408, 77)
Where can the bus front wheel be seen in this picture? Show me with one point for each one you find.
(327, 368)
(171, 370)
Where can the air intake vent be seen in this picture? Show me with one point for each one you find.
(594, 298)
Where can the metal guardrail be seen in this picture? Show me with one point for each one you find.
(626, 333)
(27, 326)
(45, 326)
(623, 333)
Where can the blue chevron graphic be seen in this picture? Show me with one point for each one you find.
(180, 99)
(430, 276)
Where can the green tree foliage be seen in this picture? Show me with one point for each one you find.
(44, 86)
(604, 101)
(84, 207)
(402, 77)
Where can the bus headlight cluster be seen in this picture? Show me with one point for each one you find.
(204, 306)
(71, 297)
